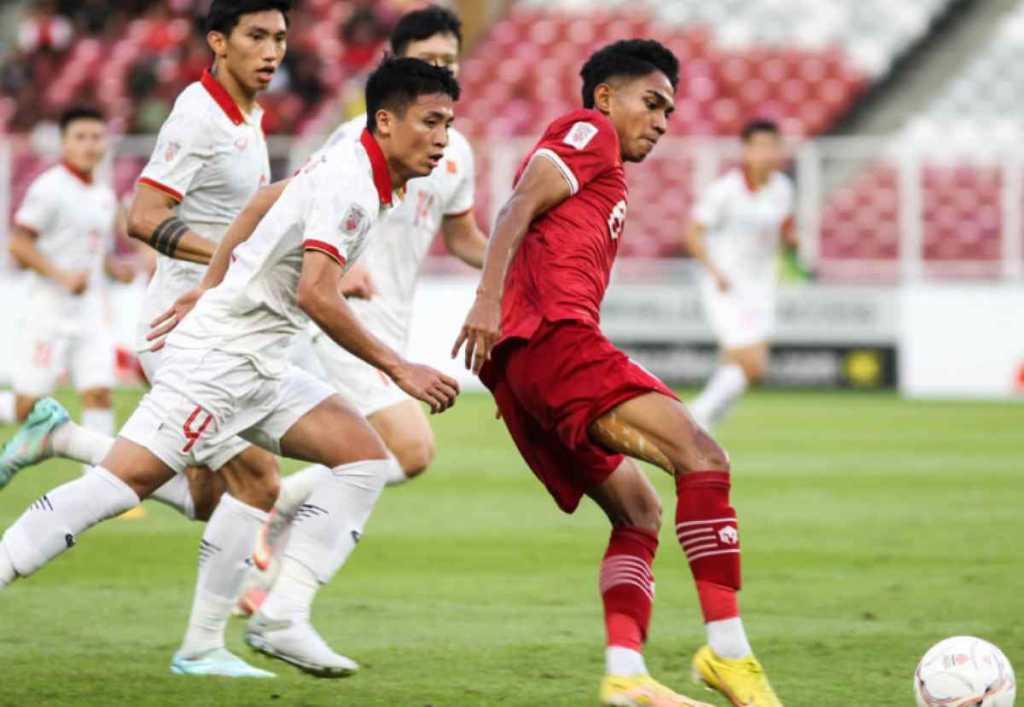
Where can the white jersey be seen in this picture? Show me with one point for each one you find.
(400, 242)
(329, 206)
(73, 218)
(210, 158)
(744, 227)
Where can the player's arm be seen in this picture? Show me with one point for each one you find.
(152, 220)
(317, 296)
(121, 269)
(464, 239)
(240, 230)
(696, 243)
(541, 187)
(23, 249)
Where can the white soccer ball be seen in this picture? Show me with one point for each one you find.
(964, 671)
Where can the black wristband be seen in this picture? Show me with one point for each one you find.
(165, 237)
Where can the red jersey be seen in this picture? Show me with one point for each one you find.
(563, 265)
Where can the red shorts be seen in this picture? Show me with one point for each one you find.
(551, 388)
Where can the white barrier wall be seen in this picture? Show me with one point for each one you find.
(962, 341)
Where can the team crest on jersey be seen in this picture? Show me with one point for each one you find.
(453, 167)
(580, 135)
(171, 150)
(354, 218)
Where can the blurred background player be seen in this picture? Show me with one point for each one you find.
(735, 235)
(64, 235)
(381, 287)
(577, 407)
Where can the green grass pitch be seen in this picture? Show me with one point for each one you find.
(872, 527)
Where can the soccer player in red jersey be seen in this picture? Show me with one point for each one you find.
(579, 410)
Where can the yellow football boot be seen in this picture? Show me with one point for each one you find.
(641, 691)
(742, 681)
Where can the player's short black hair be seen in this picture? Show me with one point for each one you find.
(627, 57)
(423, 24)
(759, 125)
(79, 113)
(399, 81)
(224, 14)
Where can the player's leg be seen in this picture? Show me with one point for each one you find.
(327, 525)
(741, 367)
(54, 523)
(408, 436)
(8, 410)
(658, 429)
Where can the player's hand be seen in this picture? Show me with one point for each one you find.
(357, 283)
(162, 325)
(721, 281)
(480, 332)
(424, 383)
(75, 281)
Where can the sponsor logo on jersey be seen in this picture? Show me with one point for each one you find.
(354, 218)
(729, 535)
(580, 135)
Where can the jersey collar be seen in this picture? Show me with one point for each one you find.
(379, 164)
(222, 97)
(83, 177)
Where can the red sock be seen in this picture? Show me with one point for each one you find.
(627, 586)
(707, 531)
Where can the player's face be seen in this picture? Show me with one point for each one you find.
(762, 152)
(416, 140)
(85, 143)
(255, 48)
(439, 49)
(639, 108)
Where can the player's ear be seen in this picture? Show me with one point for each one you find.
(218, 43)
(385, 122)
(603, 97)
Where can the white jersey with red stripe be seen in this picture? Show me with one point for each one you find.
(73, 218)
(744, 226)
(329, 206)
(210, 157)
(400, 242)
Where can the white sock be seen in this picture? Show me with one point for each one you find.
(51, 525)
(7, 409)
(99, 420)
(396, 476)
(7, 573)
(728, 639)
(725, 387)
(177, 494)
(72, 441)
(624, 661)
(223, 563)
(325, 532)
(295, 488)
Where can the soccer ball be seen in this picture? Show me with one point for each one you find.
(964, 672)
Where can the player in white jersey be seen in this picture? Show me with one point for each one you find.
(225, 373)
(210, 158)
(735, 233)
(63, 234)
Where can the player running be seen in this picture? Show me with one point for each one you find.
(577, 407)
(225, 372)
(63, 234)
(735, 236)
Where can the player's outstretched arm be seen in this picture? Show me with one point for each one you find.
(542, 187)
(151, 219)
(240, 230)
(318, 297)
(23, 250)
(697, 245)
(464, 239)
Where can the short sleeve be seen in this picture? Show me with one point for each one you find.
(708, 209)
(335, 221)
(462, 167)
(181, 150)
(39, 209)
(582, 151)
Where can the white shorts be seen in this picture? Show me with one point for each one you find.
(368, 389)
(739, 318)
(205, 407)
(42, 351)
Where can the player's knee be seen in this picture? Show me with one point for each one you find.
(755, 370)
(23, 406)
(702, 454)
(414, 456)
(97, 398)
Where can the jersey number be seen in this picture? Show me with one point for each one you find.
(617, 220)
